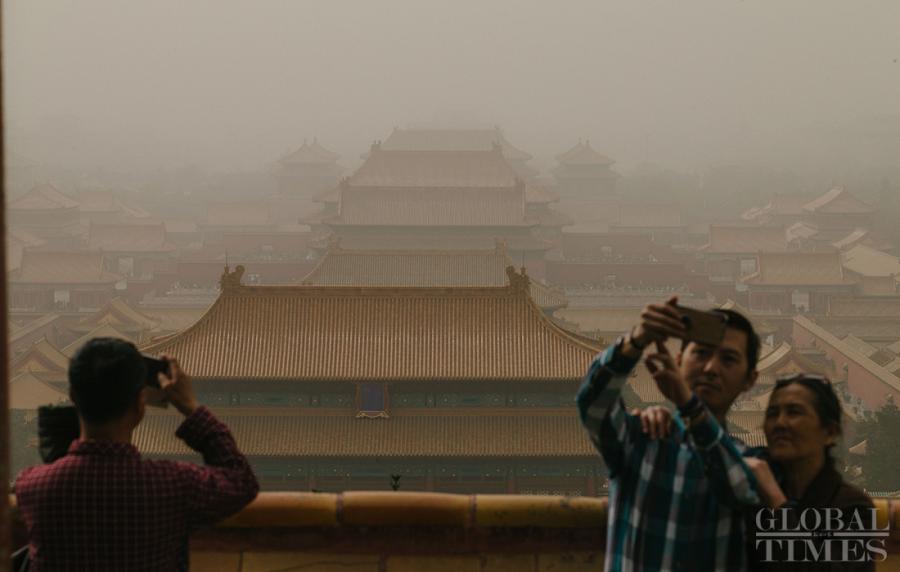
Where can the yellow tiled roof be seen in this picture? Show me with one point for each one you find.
(43, 197)
(435, 169)
(119, 314)
(746, 239)
(422, 268)
(42, 356)
(838, 201)
(350, 333)
(452, 140)
(129, 238)
(47, 267)
(403, 436)
(29, 392)
(802, 269)
(432, 207)
(864, 307)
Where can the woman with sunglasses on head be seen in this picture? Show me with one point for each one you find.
(802, 424)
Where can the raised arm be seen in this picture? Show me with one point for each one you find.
(611, 428)
(226, 483)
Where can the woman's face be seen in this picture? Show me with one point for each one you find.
(793, 428)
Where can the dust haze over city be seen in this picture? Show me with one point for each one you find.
(460, 204)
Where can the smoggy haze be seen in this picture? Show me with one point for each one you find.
(813, 85)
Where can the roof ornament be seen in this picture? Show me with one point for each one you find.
(231, 281)
(518, 282)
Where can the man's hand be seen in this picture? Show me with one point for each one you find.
(658, 322)
(769, 491)
(668, 378)
(177, 387)
(656, 421)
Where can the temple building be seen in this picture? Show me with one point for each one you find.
(455, 389)
(585, 174)
(61, 281)
(790, 282)
(732, 250)
(422, 268)
(135, 251)
(437, 200)
(46, 213)
(461, 140)
(307, 171)
(839, 210)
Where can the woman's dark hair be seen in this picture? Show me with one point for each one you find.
(825, 400)
(105, 377)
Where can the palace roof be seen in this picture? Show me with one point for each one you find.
(58, 267)
(43, 357)
(798, 268)
(583, 154)
(728, 239)
(864, 307)
(341, 267)
(452, 140)
(245, 213)
(103, 330)
(605, 320)
(26, 391)
(782, 204)
(435, 169)
(784, 360)
(432, 207)
(104, 201)
(762, 327)
(370, 333)
(129, 237)
(838, 201)
(43, 197)
(436, 242)
(17, 241)
(310, 154)
(867, 261)
(118, 314)
(870, 328)
(648, 215)
(527, 434)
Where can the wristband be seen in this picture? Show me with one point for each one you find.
(633, 341)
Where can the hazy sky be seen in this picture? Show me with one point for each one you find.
(225, 84)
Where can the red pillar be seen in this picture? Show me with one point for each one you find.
(4, 358)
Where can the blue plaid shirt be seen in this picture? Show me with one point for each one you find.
(674, 503)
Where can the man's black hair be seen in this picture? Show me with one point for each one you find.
(105, 377)
(737, 321)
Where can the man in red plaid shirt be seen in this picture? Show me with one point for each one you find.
(102, 507)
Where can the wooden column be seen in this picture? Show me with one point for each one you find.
(4, 361)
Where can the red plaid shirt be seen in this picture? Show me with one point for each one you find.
(103, 508)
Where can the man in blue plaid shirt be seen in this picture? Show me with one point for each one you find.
(676, 497)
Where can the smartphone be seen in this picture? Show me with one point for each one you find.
(155, 396)
(703, 327)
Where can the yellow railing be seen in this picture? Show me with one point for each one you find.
(394, 531)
